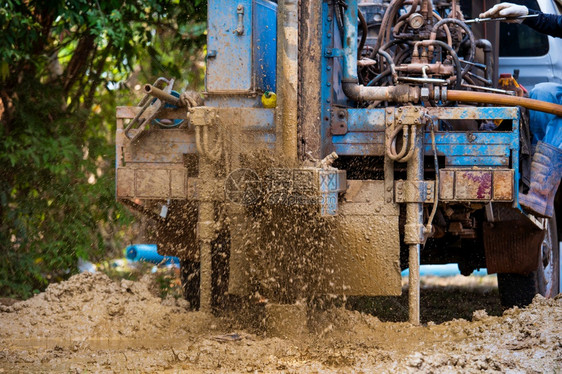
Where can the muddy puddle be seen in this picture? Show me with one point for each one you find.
(93, 324)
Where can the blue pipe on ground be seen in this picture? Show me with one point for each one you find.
(149, 253)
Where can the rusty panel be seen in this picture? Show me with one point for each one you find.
(366, 254)
(129, 112)
(162, 146)
(446, 184)
(178, 183)
(473, 185)
(152, 183)
(503, 185)
(125, 183)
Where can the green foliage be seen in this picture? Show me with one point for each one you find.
(64, 66)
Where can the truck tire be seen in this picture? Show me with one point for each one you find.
(519, 290)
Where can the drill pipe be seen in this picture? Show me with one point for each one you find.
(158, 93)
(498, 99)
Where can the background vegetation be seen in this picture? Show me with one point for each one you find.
(64, 67)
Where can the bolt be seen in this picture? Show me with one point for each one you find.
(328, 68)
(329, 19)
(341, 114)
(328, 101)
(399, 110)
(389, 188)
(239, 7)
(399, 121)
(416, 109)
(378, 209)
(328, 84)
(329, 35)
(389, 200)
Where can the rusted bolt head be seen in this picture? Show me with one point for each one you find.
(341, 114)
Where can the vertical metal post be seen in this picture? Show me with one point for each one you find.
(350, 42)
(287, 78)
(205, 233)
(413, 231)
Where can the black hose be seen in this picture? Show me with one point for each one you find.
(462, 25)
(365, 29)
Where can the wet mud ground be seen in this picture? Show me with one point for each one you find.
(93, 324)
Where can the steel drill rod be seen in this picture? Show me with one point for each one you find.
(479, 20)
(414, 231)
(414, 284)
(159, 94)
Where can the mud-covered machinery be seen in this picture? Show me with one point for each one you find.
(388, 144)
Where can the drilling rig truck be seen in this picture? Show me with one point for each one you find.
(339, 142)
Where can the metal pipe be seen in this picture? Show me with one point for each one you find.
(486, 46)
(350, 82)
(287, 79)
(498, 99)
(399, 93)
(206, 233)
(414, 230)
(350, 41)
(164, 96)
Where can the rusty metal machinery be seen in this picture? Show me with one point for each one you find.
(379, 104)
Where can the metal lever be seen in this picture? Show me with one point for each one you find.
(479, 20)
(240, 28)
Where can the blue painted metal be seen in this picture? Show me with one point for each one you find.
(148, 253)
(350, 41)
(265, 44)
(229, 53)
(329, 189)
(327, 65)
(241, 46)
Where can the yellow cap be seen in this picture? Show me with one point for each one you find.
(269, 99)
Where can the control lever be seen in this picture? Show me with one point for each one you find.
(479, 20)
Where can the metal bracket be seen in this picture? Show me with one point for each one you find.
(339, 121)
(414, 192)
(410, 115)
(333, 52)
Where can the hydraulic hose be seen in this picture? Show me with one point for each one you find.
(498, 99)
(466, 29)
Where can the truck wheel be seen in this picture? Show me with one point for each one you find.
(189, 277)
(519, 290)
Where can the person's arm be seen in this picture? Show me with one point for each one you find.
(550, 24)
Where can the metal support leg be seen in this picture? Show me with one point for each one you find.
(414, 230)
(206, 233)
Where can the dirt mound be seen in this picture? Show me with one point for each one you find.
(94, 324)
(92, 306)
